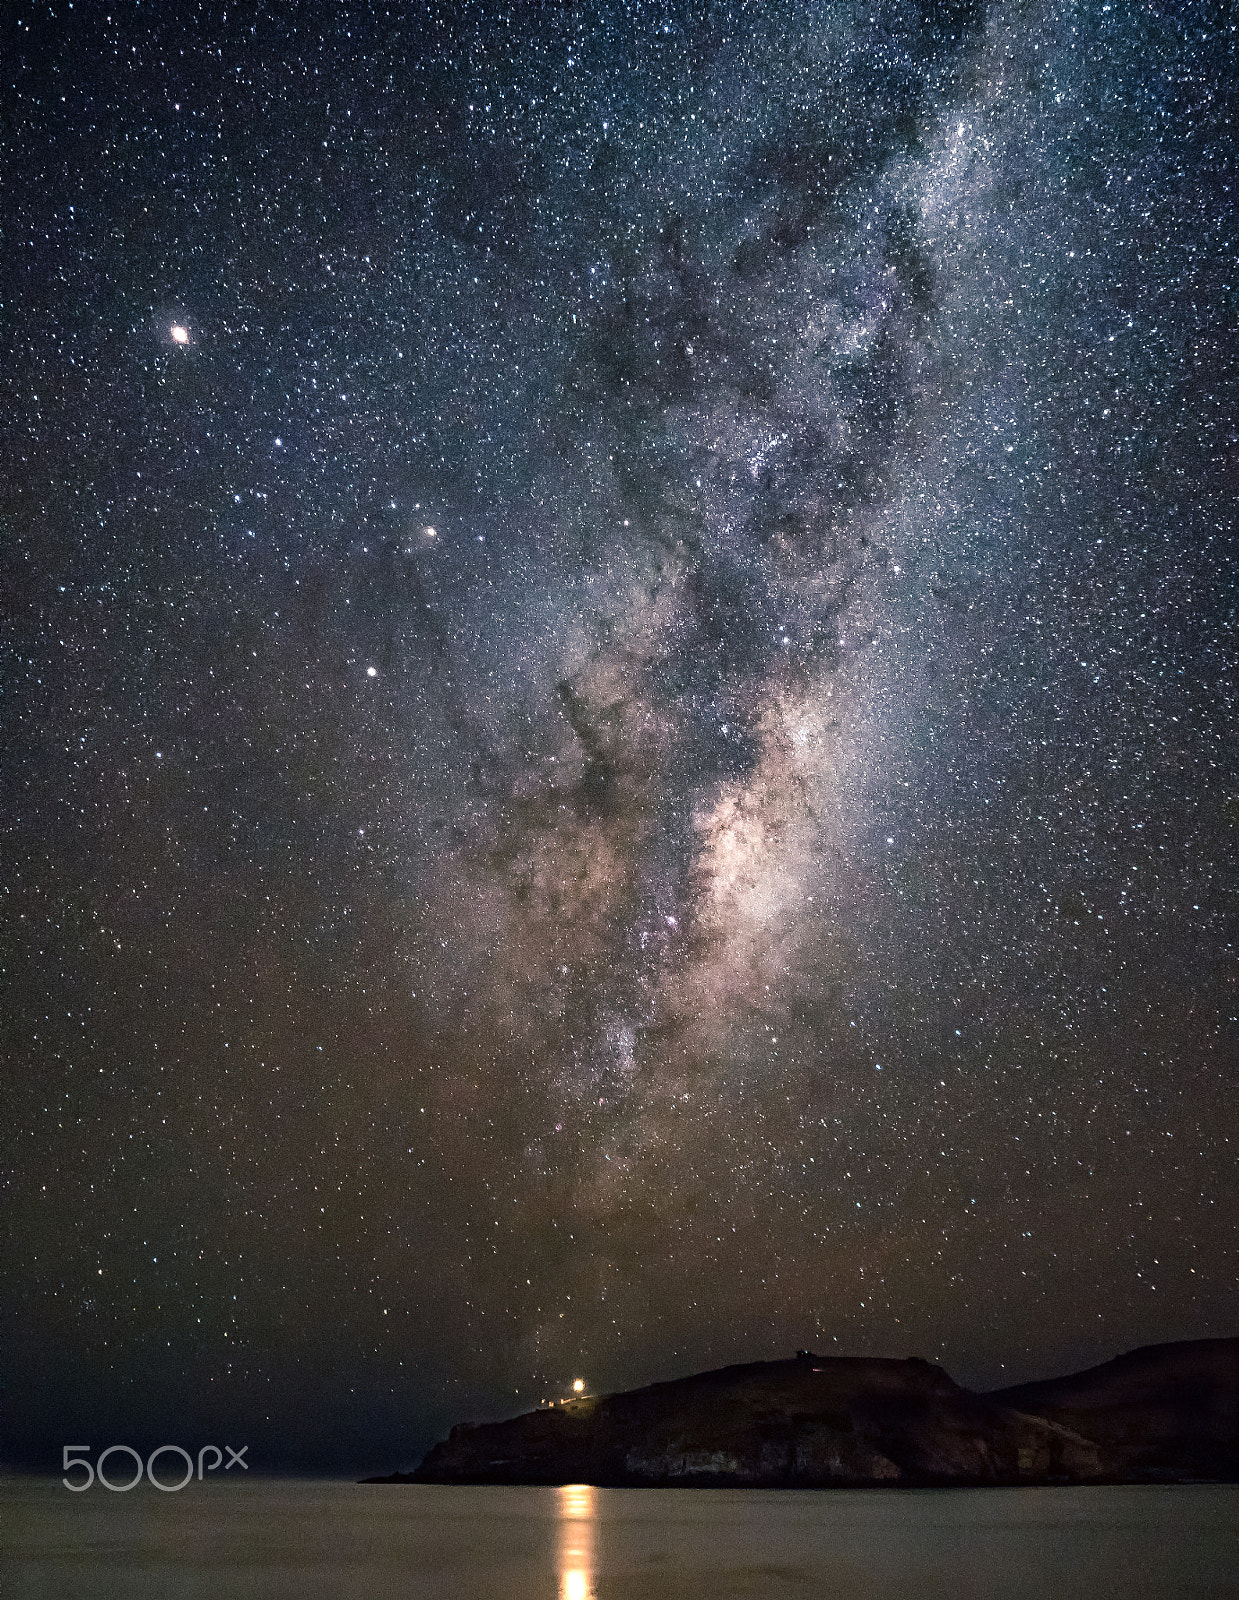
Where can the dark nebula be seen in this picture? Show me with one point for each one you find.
(619, 702)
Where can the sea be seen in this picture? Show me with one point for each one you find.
(307, 1540)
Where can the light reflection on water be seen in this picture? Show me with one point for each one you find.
(296, 1540)
(578, 1510)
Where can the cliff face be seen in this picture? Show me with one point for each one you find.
(814, 1421)
(1164, 1411)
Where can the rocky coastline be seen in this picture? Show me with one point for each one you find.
(1165, 1413)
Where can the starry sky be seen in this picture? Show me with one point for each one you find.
(618, 663)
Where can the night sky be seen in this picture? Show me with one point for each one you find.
(618, 702)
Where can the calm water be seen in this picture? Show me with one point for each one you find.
(279, 1539)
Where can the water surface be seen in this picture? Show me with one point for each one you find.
(290, 1538)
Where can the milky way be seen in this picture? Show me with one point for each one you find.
(616, 751)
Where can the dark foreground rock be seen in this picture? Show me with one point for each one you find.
(1167, 1412)
(807, 1422)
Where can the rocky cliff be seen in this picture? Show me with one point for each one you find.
(1166, 1412)
(809, 1422)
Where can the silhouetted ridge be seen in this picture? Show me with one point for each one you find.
(1163, 1411)
(1166, 1412)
